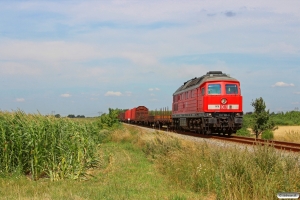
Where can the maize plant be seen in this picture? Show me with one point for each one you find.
(41, 146)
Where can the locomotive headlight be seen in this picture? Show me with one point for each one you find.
(237, 114)
(209, 114)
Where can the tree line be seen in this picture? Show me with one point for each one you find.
(70, 116)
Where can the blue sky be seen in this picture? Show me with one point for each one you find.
(82, 57)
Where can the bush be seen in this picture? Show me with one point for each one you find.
(243, 132)
(267, 135)
(110, 120)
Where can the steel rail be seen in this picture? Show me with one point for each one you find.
(287, 146)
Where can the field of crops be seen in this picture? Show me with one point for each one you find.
(132, 163)
(45, 146)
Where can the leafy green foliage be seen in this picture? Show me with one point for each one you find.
(49, 146)
(267, 135)
(243, 132)
(42, 146)
(289, 118)
(160, 112)
(261, 117)
(110, 120)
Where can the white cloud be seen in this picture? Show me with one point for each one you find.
(92, 72)
(66, 95)
(277, 48)
(283, 84)
(128, 93)
(47, 51)
(112, 93)
(295, 103)
(296, 92)
(140, 58)
(15, 68)
(154, 89)
(20, 99)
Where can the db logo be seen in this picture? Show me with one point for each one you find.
(224, 107)
(224, 101)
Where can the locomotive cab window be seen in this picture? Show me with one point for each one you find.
(214, 89)
(231, 89)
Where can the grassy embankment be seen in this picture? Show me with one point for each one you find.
(41, 157)
(135, 164)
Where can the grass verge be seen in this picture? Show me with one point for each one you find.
(124, 172)
(227, 173)
(139, 164)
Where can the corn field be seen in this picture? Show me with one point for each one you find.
(40, 146)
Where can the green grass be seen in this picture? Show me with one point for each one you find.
(228, 173)
(124, 173)
(138, 164)
(40, 146)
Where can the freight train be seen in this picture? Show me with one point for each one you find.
(208, 104)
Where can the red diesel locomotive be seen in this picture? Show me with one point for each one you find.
(211, 103)
(208, 104)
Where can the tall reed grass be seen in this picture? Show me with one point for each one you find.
(226, 173)
(40, 146)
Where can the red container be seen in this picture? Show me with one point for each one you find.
(133, 114)
(127, 115)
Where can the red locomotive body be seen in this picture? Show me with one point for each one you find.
(211, 103)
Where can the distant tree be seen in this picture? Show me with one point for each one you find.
(80, 116)
(57, 115)
(109, 120)
(261, 117)
(71, 116)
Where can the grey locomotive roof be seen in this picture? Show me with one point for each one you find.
(196, 82)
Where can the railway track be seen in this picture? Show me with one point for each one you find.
(287, 146)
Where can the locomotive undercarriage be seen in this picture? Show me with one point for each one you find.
(221, 123)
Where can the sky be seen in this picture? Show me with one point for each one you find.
(83, 57)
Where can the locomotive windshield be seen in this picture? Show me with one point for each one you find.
(231, 89)
(214, 89)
